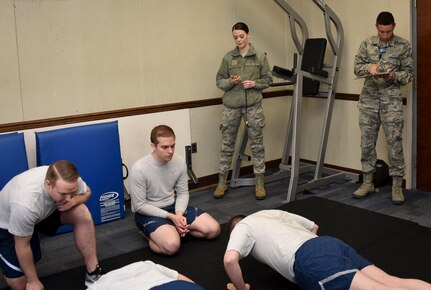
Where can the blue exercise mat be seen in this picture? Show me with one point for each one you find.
(13, 157)
(95, 151)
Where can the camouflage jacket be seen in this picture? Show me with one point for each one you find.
(253, 66)
(397, 55)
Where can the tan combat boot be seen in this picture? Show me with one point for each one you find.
(366, 187)
(397, 190)
(260, 189)
(221, 186)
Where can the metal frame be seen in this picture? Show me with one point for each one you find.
(322, 175)
(192, 177)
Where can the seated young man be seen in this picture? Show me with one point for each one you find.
(159, 196)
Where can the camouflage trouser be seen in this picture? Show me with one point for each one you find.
(393, 123)
(229, 125)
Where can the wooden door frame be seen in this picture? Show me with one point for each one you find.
(421, 102)
(414, 147)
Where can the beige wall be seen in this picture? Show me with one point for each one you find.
(66, 57)
(79, 56)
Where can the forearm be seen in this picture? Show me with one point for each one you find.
(25, 258)
(361, 68)
(238, 282)
(403, 77)
(142, 205)
(182, 202)
(223, 77)
(81, 198)
(151, 210)
(75, 201)
(234, 272)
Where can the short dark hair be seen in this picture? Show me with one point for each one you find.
(385, 18)
(161, 131)
(61, 169)
(240, 26)
(233, 221)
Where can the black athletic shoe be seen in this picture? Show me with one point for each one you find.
(92, 277)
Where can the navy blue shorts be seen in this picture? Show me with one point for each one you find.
(8, 259)
(148, 224)
(178, 285)
(326, 263)
(50, 225)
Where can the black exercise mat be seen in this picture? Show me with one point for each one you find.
(378, 237)
(406, 255)
(359, 227)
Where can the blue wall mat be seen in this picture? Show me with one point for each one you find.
(95, 151)
(13, 157)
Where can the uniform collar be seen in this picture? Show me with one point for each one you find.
(376, 41)
(250, 52)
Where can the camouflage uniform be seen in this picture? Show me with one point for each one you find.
(229, 125)
(380, 102)
(240, 103)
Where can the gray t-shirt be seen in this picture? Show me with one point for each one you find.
(24, 201)
(154, 185)
(272, 237)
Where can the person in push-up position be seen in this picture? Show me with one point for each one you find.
(289, 244)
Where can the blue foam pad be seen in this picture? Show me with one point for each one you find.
(95, 151)
(13, 157)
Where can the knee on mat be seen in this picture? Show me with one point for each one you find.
(170, 247)
(207, 227)
(213, 231)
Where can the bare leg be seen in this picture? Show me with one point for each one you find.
(16, 283)
(205, 226)
(84, 232)
(372, 277)
(165, 240)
